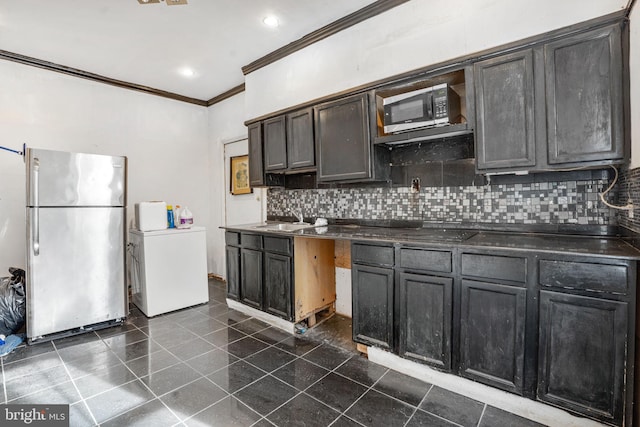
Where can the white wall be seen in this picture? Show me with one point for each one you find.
(241, 208)
(226, 125)
(165, 142)
(410, 36)
(634, 69)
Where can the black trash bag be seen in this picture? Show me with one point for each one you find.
(12, 302)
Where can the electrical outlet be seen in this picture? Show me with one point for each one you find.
(415, 185)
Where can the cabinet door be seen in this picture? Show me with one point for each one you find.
(277, 285)
(492, 334)
(584, 97)
(505, 115)
(342, 139)
(251, 278)
(300, 146)
(256, 168)
(275, 144)
(582, 354)
(372, 305)
(233, 272)
(425, 319)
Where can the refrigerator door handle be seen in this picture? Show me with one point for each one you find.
(36, 214)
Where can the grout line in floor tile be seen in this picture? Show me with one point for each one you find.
(365, 392)
(218, 401)
(40, 390)
(261, 420)
(431, 413)
(298, 393)
(482, 415)
(137, 378)
(64, 365)
(418, 405)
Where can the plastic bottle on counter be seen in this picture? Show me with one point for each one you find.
(176, 216)
(186, 218)
(170, 219)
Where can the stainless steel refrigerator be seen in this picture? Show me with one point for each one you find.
(76, 206)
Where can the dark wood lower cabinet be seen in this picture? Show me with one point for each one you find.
(277, 285)
(251, 277)
(233, 272)
(425, 317)
(582, 354)
(492, 334)
(373, 289)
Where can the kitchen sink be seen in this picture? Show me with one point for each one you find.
(284, 226)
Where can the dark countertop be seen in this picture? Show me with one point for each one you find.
(613, 247)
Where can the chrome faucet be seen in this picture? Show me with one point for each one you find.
(298, 214)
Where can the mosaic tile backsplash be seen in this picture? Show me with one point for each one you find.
(629, 187)
(569, 202)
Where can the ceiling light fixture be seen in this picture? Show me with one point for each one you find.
(187, 72)
(271, 21)
(168, 2)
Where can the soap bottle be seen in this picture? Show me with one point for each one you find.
(186, 218)
(170, 222)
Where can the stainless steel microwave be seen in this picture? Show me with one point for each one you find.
(431, 106)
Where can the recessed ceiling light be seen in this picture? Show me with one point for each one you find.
(187, 72)
(271, 21)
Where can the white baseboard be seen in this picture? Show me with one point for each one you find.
(527, 408)
(261, 315)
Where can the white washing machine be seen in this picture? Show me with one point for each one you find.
(168, 269)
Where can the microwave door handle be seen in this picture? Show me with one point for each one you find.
(36, 207)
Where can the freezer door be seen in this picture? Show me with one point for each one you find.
(58, 178)
(78, 277)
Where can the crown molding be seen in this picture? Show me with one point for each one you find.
(226, 95)
(356, 17)
(39, 63)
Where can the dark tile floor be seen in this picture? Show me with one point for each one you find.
(212, 366)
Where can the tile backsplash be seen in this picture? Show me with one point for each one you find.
(562, 202)
(628, 187)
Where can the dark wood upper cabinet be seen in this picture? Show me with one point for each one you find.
(342, 139)
(505, 112)
(584, 98)
(275, 144)
(557, 105)
(256, 166)
(300, 144)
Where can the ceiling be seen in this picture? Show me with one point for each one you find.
(150, 44)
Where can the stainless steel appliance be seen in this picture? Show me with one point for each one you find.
(430, 106)
(76, 207)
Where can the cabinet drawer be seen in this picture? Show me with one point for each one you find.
(425, 259)
(513, 269)
(232, 238)
(369, 254)
(584, 275)
(253, 241)
(281, 245)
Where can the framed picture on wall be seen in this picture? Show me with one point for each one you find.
(240, 175)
